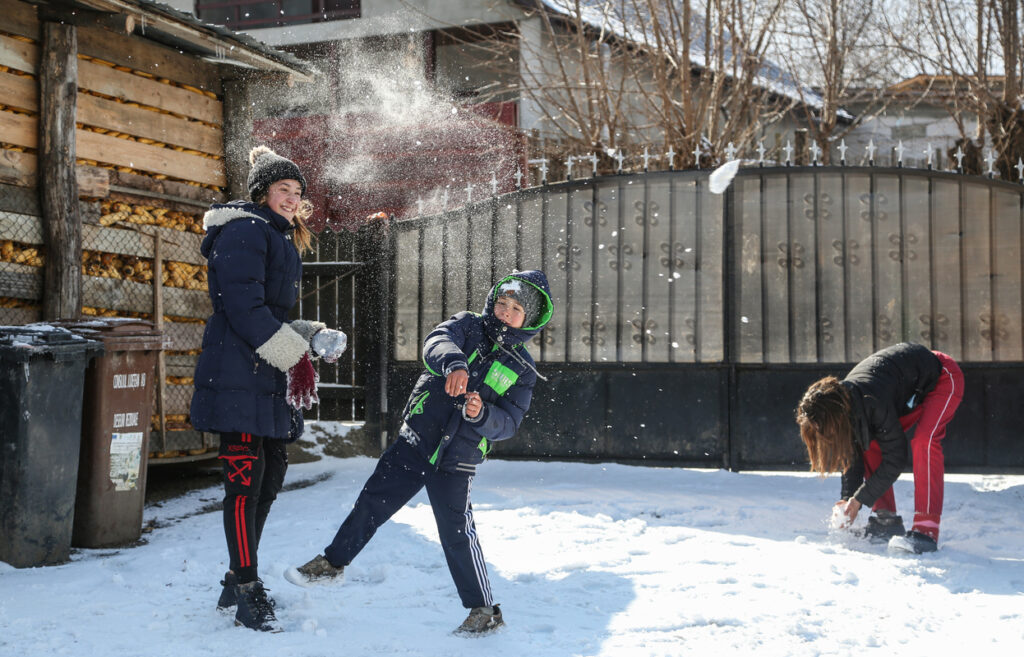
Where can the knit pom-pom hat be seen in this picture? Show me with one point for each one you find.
(267, 168)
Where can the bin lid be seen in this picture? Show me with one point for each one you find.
(118, 333)
(22, 343)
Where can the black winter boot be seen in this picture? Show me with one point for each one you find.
(883, 525)
(254, 609)
(915, 542)
(228, 594)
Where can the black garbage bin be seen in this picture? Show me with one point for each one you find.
(116, 419)
(42, 373)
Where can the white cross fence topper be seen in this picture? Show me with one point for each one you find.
(728, 167)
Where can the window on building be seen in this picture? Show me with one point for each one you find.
(247, 14)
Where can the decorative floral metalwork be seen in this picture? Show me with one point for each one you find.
(792, 255)
(628, 249)
(593, 209)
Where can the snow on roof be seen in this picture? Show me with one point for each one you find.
(190, 34)
(623, 20)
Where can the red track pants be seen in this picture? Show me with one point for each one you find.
(931, 417)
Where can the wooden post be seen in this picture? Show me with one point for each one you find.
(58, 189)
(238, 125)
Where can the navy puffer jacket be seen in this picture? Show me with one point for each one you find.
(500, 369)
(248, 345)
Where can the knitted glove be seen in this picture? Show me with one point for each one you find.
(302, 380)
(329, 344)
(306, 328)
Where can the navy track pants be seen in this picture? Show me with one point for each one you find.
(253, 469)
(400, 473)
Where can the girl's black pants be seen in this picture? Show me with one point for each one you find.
(253, 472)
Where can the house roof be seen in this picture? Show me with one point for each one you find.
(624, 20)
(182, 30)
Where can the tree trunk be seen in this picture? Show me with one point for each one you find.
(58, 190)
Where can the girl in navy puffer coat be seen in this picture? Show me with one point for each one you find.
(475, 390)
(247, 379)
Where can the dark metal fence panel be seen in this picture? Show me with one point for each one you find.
(828, 265)
(328, 294)
(833, 264)
(635, 264)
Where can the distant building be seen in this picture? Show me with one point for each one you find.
(920, 116)
(383, 58)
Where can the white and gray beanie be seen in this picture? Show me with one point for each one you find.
(267, 168)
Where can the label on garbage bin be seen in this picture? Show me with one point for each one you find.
(125, 460)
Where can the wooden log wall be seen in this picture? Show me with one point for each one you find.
(149, 145)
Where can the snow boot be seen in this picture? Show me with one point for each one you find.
(481, 620)
(882, 526)
(317, 570)
(915, 542)
(254, 609)
(228, 594)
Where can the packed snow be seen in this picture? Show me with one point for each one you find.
(585, 559)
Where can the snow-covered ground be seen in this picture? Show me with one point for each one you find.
(585, 559)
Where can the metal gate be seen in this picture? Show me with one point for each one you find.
(329, 275)
(687, 324)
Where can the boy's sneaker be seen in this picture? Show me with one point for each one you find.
(883, 526)
(481, 620)
(228, 594)
(317, 570)
(915, 542)
(254, 609)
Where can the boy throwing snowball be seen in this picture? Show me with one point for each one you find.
(476, 388)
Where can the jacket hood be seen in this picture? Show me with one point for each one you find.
(537, 279)
(221, 214)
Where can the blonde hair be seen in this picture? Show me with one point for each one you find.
(823, 415)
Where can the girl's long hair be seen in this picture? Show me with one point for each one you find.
(303, 235)
(824, 418)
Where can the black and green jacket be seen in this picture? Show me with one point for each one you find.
(500, 369)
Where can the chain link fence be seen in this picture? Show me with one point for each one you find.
(122, 276)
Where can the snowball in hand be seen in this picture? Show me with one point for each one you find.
(720, 178)
(329, 344)
(839, 518)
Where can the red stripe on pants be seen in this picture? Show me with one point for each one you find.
(241, 535)
(931, 417)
